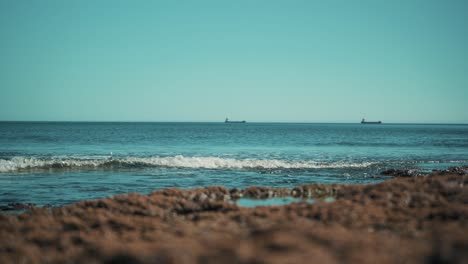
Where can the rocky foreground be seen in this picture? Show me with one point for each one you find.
(403, 220)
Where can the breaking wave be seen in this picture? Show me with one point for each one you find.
(179, 161)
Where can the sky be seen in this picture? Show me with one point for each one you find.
(264, 61)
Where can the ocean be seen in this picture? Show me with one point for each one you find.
(57, 163)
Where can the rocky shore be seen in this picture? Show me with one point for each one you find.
(409, 219)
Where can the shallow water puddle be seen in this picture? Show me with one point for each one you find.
(249, 202)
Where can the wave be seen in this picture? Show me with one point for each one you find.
(31, 163)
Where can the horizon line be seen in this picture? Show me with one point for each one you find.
(265, 122)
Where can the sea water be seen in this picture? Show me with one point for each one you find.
(59, 163)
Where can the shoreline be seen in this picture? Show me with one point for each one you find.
(410, 218)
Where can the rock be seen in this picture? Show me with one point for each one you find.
(402, 172)
(18, 207)
(463, 170)
(418, 219)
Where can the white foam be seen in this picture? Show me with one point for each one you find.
(179, 161)
(231, 163)
(19, 163)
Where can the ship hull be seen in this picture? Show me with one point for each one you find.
(371, 123)
(235, 122)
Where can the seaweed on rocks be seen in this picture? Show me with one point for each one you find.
(409, 219)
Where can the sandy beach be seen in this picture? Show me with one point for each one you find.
(406, 219)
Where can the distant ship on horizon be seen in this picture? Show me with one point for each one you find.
(227, 121)
(363, 121)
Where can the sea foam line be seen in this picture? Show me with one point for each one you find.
(179, 161)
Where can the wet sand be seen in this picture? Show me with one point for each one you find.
(413, 219)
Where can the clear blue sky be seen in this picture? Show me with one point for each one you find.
(312, 61)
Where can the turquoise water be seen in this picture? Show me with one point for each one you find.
(60, 163)
(248, 202)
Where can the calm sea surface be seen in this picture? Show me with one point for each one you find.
(60, 163)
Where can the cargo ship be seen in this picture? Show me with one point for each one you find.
(363, 121)
(228, 121)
